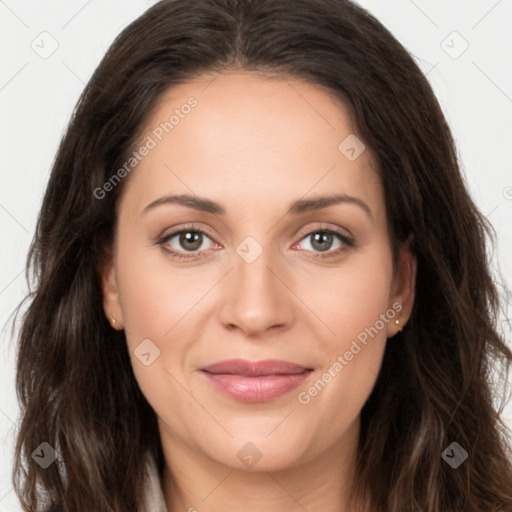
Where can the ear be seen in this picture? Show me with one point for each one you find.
(403, 288)
(111, 302)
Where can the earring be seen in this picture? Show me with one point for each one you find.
(397, 322)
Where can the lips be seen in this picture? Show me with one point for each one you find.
(257, 381)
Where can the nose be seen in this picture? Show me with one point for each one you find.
(257, 297)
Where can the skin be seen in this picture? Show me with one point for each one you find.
(255, 145)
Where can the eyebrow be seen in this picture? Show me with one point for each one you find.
(296, 208)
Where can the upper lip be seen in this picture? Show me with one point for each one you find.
(255, 368)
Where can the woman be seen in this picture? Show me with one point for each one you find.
(261, 281)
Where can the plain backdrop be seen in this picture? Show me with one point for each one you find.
(50, 49)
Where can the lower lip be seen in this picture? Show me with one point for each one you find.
(255, 389)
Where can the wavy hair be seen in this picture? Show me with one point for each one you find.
(440, 375)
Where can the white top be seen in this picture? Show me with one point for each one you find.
(155, 501)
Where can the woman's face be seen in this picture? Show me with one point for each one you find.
(284, 255)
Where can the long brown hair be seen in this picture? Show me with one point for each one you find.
(436, 386)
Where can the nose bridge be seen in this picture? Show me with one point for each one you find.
(257, 299)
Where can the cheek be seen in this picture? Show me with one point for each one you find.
(352, 298)
(355, 306)
(155, 296)
(155, 308)
(156, 302)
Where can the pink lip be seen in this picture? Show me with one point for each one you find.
(258, 381)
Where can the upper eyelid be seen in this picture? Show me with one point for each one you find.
(324, 227)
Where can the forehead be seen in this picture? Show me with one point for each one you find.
(250, 141)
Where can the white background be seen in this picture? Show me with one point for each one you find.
(37, 97)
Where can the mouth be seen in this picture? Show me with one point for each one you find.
(259, 381)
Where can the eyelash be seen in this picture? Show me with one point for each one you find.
(346, 240)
